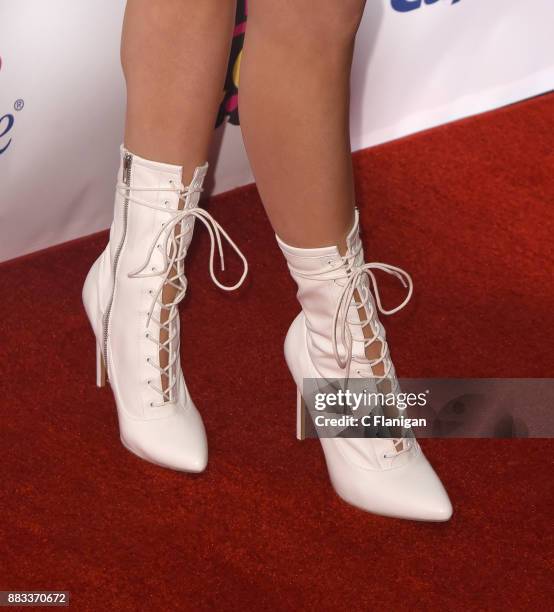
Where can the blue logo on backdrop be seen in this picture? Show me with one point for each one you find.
(6, 125)
(7, 122)
(403, 6)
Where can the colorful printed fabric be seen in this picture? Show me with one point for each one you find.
(230, 105)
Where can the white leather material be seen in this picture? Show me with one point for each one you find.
(319, 296)
(367, 473)
(171, 434)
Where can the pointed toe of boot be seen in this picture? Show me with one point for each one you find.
(411, 491)
(177, 442)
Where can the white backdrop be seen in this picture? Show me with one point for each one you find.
(418, 63)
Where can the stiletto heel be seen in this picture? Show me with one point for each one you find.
(100, 368)
(328, 341)
(136, 321)
(301, 416)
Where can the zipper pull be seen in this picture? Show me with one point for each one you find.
(127, 167)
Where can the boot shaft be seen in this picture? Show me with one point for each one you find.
(147, 197)
(321, 275)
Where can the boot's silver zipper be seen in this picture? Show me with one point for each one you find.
(127, 167)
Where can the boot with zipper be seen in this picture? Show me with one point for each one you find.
(329, 341)
(131, 297)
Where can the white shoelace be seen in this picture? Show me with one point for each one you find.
(172, 246)
(346, 269)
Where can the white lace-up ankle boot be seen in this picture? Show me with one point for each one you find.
(136, 324)
(385, 476)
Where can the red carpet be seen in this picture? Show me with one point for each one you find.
(467, 209)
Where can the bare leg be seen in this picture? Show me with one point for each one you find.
(174, 55)
(294, 108)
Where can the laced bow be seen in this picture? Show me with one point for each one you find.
(342, 335)
(171, 241)
(348, 274)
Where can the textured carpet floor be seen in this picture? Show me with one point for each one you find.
(466, 208)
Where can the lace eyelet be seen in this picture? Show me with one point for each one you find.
(148, 360)
(151, 404)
